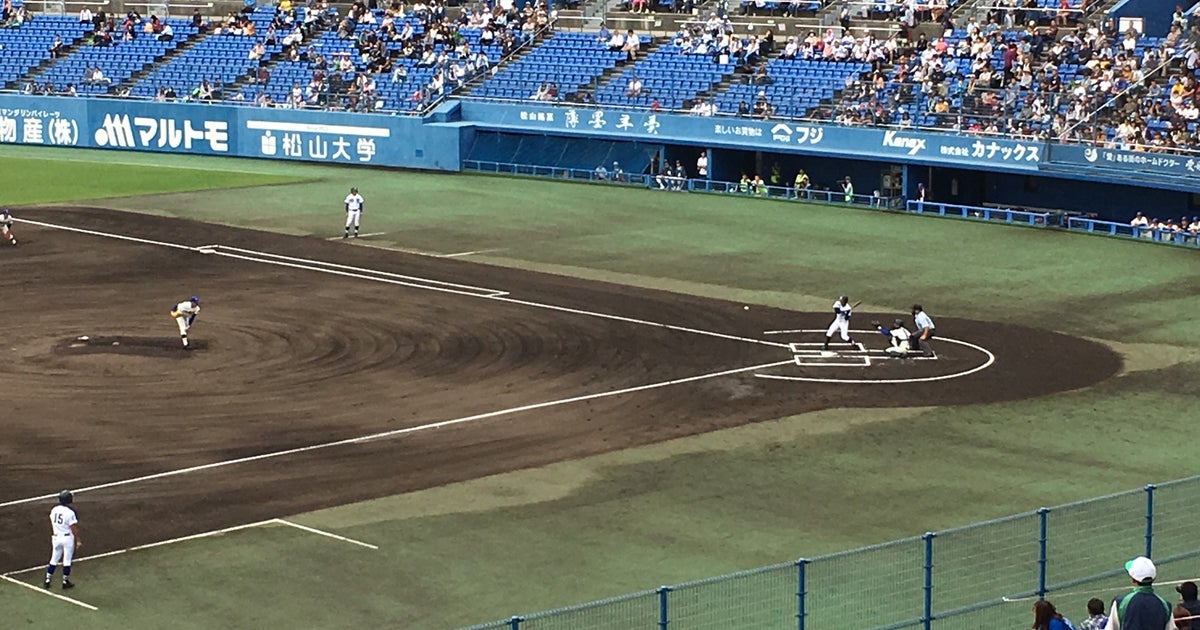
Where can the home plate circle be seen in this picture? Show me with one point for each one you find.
(871, 363)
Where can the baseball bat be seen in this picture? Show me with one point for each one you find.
(855, 305)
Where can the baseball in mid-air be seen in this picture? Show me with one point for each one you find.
(745, 308)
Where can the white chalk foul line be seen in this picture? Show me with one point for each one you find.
(170, 541)
(401, 280)
(44, 591)
(398, 432)
(319, 532)
(208, 534)
(470, 253)
(121, 237)
(632, 320)
(352, 272)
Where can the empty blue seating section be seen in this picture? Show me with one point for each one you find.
(569, 60)
(118, 61)
(666, 75)
(797, 85)
(25, 47)
(221, 59)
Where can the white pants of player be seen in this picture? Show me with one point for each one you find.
(839, 325)
(62, 547)
(898, 347)
(353, 217)
(183, 325)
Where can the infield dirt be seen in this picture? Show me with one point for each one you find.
(289, 358)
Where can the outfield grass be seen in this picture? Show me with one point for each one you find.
(709, 504)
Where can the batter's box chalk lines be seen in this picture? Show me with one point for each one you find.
(405, 431)
(988, 362)
(39, 589)
(401, 280)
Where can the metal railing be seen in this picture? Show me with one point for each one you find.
(689, 184)
(966, 577)
(59, 7)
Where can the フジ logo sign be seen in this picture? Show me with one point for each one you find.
(897, 141)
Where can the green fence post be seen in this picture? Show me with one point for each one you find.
(927, 615)
(1042, 517)
(1150, 518)
(801, 591)
(515, 623)
(662, 606)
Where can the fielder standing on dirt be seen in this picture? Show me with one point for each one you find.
(185, 314)
(64, 539)
(6, 227)
(354, 208)
(925, 328)
(841, 321)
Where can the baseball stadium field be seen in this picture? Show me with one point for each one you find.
(509, 395)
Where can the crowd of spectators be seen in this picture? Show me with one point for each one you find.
(1085, 83)
(387, 44)
(13, 17)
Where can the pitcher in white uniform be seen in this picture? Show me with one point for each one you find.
(185, 314)
(64, 539)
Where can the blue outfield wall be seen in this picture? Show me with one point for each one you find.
(283, 134)
(760, 135)
(443, 139)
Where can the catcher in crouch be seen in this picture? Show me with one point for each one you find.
(901, 338)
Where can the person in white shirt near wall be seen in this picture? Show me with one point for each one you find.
(64, 539)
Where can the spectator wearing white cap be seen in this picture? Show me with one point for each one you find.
(1141, 608)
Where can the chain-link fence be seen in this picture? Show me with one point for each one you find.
(983, 576)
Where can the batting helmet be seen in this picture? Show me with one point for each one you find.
(65, 497)
(195, 300)
(899, 323)
(844, 299)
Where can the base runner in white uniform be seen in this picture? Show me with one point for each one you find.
(841, 321)
(185, 314)
(354, 208)
(64, 539)
(6, 227)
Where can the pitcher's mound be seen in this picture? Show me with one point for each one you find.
(165, 347)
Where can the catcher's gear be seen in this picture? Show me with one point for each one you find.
(65, 497)
(899, 323)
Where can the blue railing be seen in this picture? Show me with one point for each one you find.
(966, 577)
(1109, 228)
(1003, 215)
(662, 182)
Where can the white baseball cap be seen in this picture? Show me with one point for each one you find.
(1141, 569)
